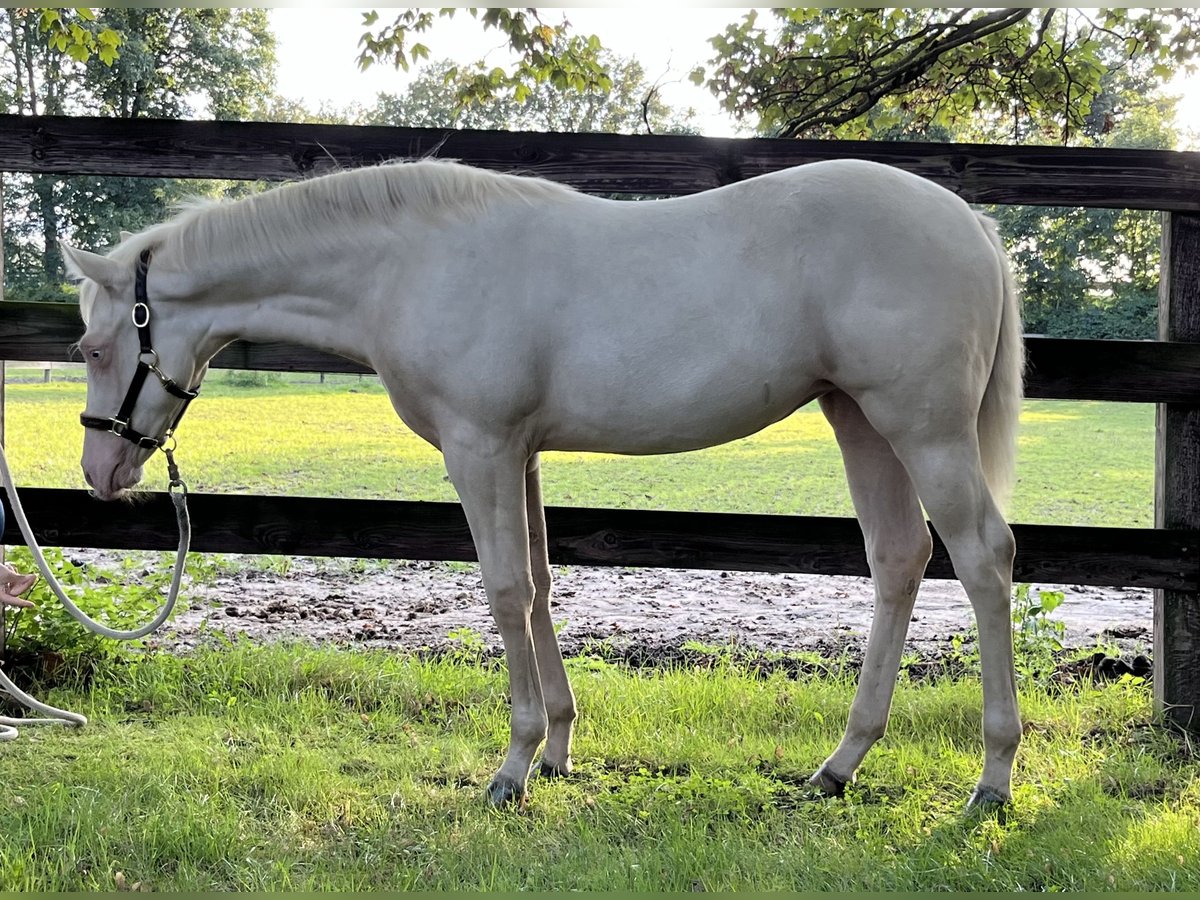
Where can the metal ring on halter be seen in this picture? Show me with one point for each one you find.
(145, 309)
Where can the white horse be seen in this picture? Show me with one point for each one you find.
(509, 315)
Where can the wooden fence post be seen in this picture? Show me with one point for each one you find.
(1177, 476)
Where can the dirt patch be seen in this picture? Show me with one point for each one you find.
(413, 605)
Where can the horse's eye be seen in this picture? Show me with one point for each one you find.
(95, 354)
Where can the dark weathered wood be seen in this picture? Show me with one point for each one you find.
(598, 163)
(1125, 371)
(46, 331)
(1177, 477)
(596, 537)
(276, 357)
(1133, 371)
(27, 329)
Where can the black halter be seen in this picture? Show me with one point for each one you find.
(147, 363)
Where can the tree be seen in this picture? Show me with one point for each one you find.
(1094, 272)
(40, 48)
(175, 57)
(169, 61)
(628, 106)
(547, 54)
(283, 109)
(834, 72)
(37, 44)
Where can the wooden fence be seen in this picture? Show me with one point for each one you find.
(1165, 372)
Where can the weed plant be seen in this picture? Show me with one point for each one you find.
(48, 637)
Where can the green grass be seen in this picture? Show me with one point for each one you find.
(280, 768)
(1079, 462)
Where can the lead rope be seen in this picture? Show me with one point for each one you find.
(54, 716)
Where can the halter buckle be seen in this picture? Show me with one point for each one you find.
(142, 309)
(118, 427)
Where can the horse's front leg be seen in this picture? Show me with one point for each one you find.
(490, 481)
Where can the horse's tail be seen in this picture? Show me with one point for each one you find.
(1001, 406)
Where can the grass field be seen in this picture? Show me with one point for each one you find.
(1079, 463)
(285, 769)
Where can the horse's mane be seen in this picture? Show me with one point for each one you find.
(286, 221)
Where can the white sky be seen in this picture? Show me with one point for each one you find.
(317, 49)
(1188, 88)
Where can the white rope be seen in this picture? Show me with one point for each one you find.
(178, 492)
(54, 715)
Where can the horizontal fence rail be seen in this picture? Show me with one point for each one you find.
(597, 163)
(1059, 368)
(396, 529)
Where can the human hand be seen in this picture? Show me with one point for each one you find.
(12, 585)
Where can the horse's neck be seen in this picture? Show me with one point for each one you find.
(313, 299)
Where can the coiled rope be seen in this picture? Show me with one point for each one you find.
(53, 715)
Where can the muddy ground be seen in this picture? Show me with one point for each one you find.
(414, 605)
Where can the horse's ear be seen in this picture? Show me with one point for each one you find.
(126, 235)
(85, 264)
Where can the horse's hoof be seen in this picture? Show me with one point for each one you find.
(548, 770)
(827, 783)
(986, 799)
(503, 793)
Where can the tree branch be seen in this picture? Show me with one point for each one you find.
(1040, 37)
(904, 72)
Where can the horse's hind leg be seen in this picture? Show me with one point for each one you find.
(942, 457)
(556, 688)
(490, 481)
(898, 548)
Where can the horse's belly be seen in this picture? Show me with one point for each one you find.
(672, 424)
